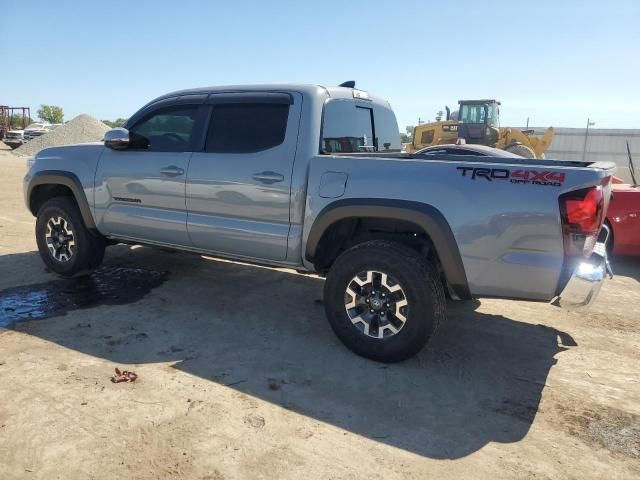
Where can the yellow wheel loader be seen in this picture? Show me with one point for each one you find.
(478, 122)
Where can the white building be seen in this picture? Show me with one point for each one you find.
(602, 144)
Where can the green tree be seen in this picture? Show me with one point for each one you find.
(50, 113)
(407, 137)
(118, 122)
(18, 124)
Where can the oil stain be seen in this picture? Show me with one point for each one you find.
(110, 285)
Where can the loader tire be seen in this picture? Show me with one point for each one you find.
(521, 150)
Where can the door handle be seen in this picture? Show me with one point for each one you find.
(172, 171)
(268, 177)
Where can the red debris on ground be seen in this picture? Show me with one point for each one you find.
(124, 376)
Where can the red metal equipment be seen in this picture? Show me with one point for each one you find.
(8, 113)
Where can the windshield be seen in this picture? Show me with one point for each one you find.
(474, 113)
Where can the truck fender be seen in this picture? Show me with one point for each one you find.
(69, 180)
(427, 217)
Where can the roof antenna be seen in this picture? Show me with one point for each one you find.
(348, 84)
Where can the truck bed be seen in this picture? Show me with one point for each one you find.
(485, 159)
(504, 212)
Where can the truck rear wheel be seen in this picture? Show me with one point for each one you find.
(65, 244)
(521, 150)
(384, 300)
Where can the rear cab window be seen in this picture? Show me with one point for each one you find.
(357, 126)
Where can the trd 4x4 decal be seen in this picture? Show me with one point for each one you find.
(533, 177)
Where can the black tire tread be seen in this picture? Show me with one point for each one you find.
(422, 271)
(90, 246)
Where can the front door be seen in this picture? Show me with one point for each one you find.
(239, 186)
(140, 192)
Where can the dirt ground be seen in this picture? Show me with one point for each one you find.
(241, 377)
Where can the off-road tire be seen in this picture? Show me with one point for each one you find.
(88, 248)
(420, 283)
(521, 150)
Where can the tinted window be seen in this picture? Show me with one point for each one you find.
(436, 152)
(451, 151)
(387, 132)
(165, 130)
(246, 127)
(348, 128)
(462, 151)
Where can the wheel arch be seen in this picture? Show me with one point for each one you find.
(428, 219)
(51, 183)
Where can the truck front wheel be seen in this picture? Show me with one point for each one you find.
(65, 244)
(384, 300)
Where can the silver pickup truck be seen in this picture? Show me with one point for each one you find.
(312, 178)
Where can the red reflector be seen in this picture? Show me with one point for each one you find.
(585, 213)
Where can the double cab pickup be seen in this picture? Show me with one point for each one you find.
(313, 178)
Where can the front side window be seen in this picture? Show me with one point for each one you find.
(166, 130)
(246, 127)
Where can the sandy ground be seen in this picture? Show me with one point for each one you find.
(241, 377)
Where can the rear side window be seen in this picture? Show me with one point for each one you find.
(246, 127)
(350, 128)
(436, 152)
(461, 151)
(347, 128)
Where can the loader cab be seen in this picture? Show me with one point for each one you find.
(479, 121)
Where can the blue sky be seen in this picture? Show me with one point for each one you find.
(557, 62)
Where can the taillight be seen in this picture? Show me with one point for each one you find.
(582, 217)
(586, 215)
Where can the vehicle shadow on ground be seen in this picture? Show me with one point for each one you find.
(626, 266)
(263, 332)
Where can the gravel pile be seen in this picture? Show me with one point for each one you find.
(82, 129)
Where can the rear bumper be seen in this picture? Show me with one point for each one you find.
(587, 279)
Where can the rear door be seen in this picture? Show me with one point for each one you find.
(140, 191)
(239, 186)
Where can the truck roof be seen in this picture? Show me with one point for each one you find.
(308, 89)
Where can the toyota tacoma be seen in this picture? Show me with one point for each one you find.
(312, 178)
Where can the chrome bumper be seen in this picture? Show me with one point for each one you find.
(585, 283)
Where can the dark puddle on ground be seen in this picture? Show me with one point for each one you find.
(111, 285)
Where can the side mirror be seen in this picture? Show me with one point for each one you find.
(117, 139)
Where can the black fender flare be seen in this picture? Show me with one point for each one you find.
(427, 217)
(69, 180)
